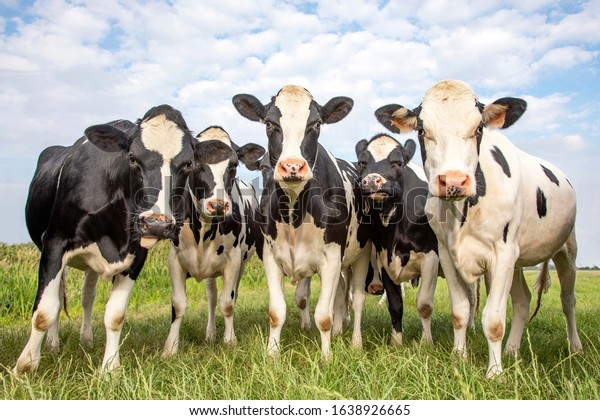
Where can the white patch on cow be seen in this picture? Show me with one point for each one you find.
(90, 257)
(219, 192)
(214, 133)
(381, 147)
(164, 137)
(294, 104)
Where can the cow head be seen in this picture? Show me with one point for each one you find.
(293, 122)
(216, 159)
(451, 123)
(381, 163)
(158, 156)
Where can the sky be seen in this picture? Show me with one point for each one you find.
(66, 65)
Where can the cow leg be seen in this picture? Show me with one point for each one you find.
(88, 295)
(46, 308)
(360, 268)
(459, 300)
(114, 318)
(494, 312)
(302, 297)
(564, 260)
(395, 306)
(521, 299)
(471, 294)
(277, 306)
(429, 274)
(339, 310)
(52, 339)
(231, 280)
(211, 298)
(178, 276)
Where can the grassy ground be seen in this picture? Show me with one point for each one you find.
(544, 370)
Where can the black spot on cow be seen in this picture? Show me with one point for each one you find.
(505, 233)
(245, 256)
(172, 314)
(569, 182)
(550, 175)
(232, 294)
(541, 203)
(220, 250)
(501, 160)
(480, 191)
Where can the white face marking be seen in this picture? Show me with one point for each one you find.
(164, 137)
(381, 147)
(294, 104)
(219, 192)
(214, 133)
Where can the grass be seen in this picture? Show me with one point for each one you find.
(544, 369)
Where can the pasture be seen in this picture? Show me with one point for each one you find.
(544, 369)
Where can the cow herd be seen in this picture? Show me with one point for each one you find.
(479, 207)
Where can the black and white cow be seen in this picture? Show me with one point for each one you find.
(395, 192)
(494, 209)
(309, 210)
(220, 233)
(98, 206)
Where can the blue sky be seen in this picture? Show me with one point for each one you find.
(67, 65)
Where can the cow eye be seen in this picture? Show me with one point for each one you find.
(421, 132)
(269, 125)
(361, 165)
(132, 159)
(396, 164)
(188, 164)
(479, 130)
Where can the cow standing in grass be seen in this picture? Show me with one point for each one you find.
(309, 210)
(395, 193)
(494, 209)
(220, 233)
(98, 206)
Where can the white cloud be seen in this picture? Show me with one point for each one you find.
(67, 65)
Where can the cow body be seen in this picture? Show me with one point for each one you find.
(494, 209)
(220, 232)
(98, 206)
(405, 244)
(310, 215)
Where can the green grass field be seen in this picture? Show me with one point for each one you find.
(544, 370)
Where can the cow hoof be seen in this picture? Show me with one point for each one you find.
(511, 350)
(305, 326)
(427, 341)
(171, 351)
(357, 343)
(396, 338)
(230, 343)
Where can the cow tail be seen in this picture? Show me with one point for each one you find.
(63, 290)
(542, 284)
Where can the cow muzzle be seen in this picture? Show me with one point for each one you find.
(154, 228)
(217, 208)
(453, 185)
(292, 170)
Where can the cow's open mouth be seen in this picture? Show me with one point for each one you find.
(378, 195)
(292, 179)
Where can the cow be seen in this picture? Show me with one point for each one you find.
(493, 208)
(395, 193)
(220, 232)
(309, 210)
(99, 206)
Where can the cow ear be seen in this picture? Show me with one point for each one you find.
(108, 138)
(397, 118)
(409, 149)
(360, 147)
(336, 109)
(504, 112)
(250, 107)
(250, 154)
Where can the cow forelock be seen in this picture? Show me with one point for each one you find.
(214, 133)
(381, 147)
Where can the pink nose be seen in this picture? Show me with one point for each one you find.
(372, 182)
(453, 184)
(217, 207)
(292, 169)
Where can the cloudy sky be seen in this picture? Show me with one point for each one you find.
(65, 65)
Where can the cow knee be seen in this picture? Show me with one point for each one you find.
(227, 307)
(42, 320)
(114, 321)
(425, 310)
(324, 322)
(460, 319)
(179, 308)
(494, 330)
